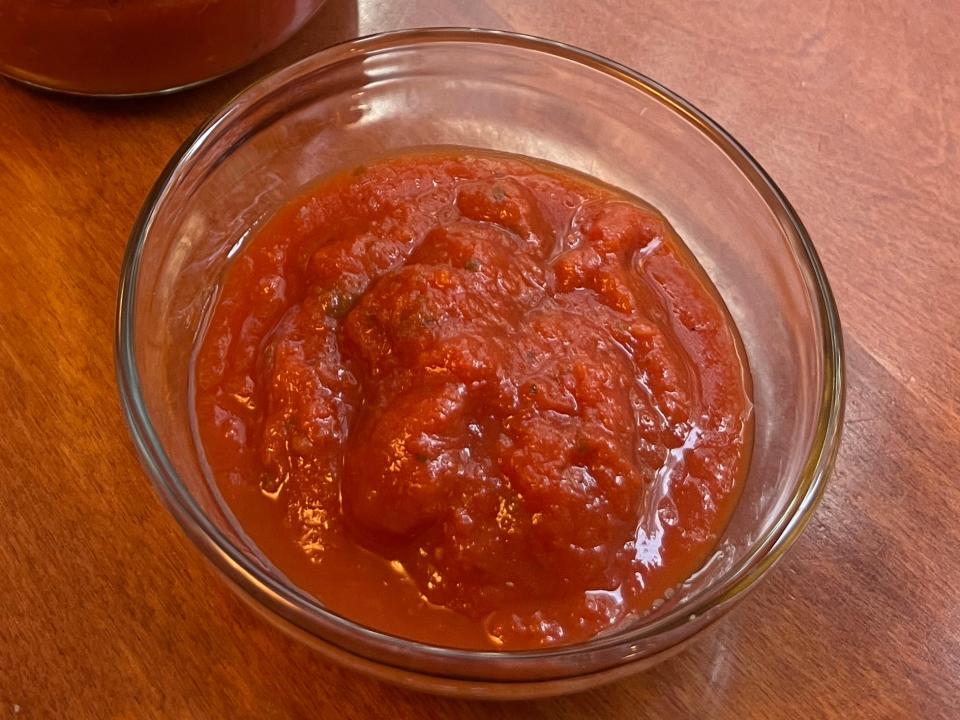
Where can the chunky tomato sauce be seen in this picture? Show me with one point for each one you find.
(474, 400)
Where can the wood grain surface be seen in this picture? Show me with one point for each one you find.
(107, 611)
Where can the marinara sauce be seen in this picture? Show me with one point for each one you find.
(474, 400)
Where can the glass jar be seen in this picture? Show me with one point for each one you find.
(133, 47)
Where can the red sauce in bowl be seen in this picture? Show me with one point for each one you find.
(474, 400)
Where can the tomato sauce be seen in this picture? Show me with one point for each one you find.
(137, 46)
(474, 400)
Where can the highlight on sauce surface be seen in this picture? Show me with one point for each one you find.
(474, 400)
(139, 46)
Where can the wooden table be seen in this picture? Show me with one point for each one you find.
(106, 611)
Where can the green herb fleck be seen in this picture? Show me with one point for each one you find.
(270, 483)
(472, 265)
(582, 448)
(421, 457)
(532, 390)
(498, 193)
(338, 304)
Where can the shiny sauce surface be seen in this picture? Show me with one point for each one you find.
(474, 400)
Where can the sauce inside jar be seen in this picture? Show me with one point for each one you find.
(474, 400)
(139, 46)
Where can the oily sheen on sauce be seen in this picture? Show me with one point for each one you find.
(474, 400)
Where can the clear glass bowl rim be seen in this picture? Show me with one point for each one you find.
(297, 607)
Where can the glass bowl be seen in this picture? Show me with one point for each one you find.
(139, 47)
(522, 95)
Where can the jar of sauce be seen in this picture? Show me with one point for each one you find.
(130, 47)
